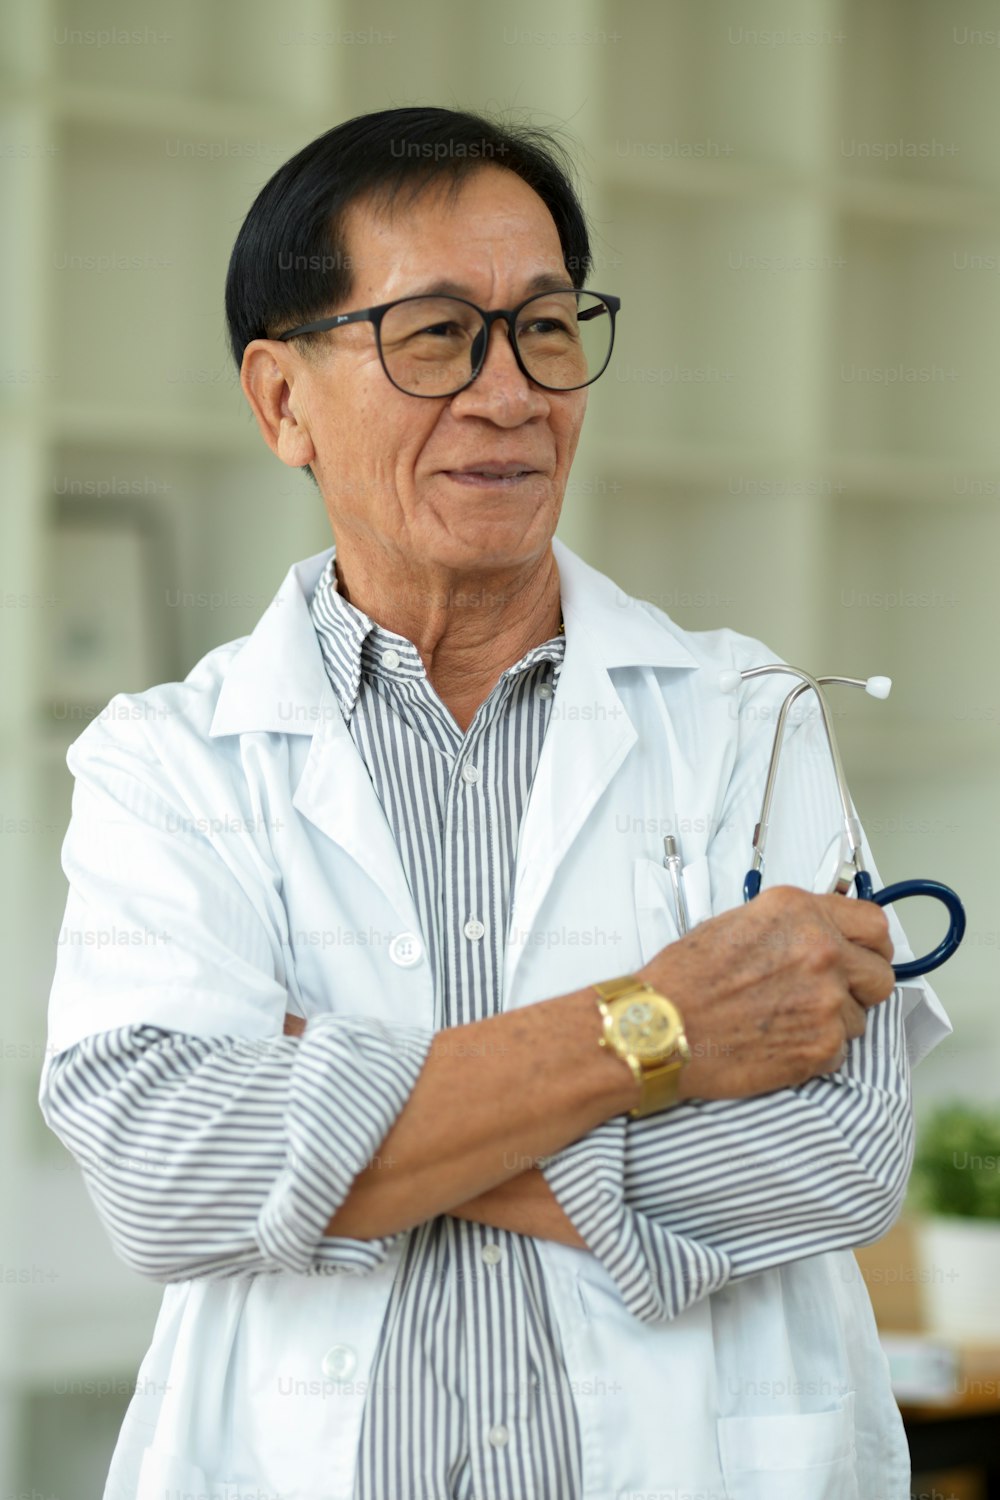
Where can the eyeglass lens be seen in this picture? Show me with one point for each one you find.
(431, 346)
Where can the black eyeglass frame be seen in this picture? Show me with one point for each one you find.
(375, 315)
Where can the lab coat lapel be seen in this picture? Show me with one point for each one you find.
(278, 682)
(590, 734)
(336, 793)
(588, 737)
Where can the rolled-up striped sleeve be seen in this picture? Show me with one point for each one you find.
(212, 1157)
(679, 1203)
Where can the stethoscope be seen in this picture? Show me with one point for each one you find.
(850, 869)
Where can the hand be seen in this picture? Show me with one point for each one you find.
(294, 1025)
(772, 991)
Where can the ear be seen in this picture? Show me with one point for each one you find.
(269, 375)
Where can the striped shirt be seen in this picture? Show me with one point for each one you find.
(216, 1157)
(468, 1340)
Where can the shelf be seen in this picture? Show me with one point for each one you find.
(640, 172)
(757, 474)
(899, 478)
(235, 129)
(903, 202)
(103, 424)
(652, 169)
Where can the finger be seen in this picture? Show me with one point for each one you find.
(855, 1019)
(294, 1025)
(868, 976)
(834, 1064)
(860, 922)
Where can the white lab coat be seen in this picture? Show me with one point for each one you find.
(239, 814)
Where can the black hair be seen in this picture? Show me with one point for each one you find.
(290, 264)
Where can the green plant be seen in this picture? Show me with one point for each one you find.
(956, 1165)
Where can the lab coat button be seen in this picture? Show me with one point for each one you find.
(338, 1362)
(406, 949)
(491, 1254)
(473, 928)
(499, 1435)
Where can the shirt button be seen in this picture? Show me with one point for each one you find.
(390, 658)
(473, 928)
(492, 1254)
(470, 773)
(338, 1362)
(545, 691)
(406, 949)
(499, 1435)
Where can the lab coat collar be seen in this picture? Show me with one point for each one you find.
(277, 680)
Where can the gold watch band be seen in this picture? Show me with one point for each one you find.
(616, 989)
(660, 1086)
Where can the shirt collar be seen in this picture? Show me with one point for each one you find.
(352, 643)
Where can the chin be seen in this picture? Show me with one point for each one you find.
(495, 544)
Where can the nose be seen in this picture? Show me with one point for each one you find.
(501, 390)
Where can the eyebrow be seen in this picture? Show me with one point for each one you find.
(545, 281)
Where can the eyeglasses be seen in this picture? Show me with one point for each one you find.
(436, 346)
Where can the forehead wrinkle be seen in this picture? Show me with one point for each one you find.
(382, 210)
(542, 281)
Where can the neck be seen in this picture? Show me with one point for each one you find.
(467, 628)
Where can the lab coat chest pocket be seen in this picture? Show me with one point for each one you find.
(655, 909)
(797, 1456)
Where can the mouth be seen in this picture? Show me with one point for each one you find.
(493, 475)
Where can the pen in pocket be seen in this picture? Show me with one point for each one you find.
(672, 861)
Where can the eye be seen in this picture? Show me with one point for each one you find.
(547, 325)
(442, 330)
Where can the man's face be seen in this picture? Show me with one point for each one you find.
(394, 469)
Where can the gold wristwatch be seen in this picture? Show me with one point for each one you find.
(647, 1031)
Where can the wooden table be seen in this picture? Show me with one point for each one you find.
(962, 1432)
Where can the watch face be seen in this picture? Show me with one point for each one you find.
(647, 1028)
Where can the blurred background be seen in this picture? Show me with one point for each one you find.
(798, 202)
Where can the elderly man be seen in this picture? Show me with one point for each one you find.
(468, 1174)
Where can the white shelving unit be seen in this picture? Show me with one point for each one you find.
(744, 462)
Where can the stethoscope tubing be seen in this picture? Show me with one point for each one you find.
(919, 887)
